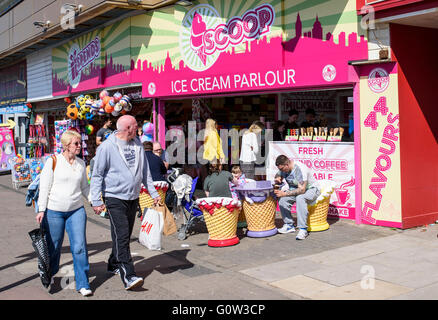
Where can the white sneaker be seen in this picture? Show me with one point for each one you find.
(302, 234)
(86, 292)
(287, 228)
(134, 282)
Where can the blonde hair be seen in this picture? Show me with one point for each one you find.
(210, 125)
(236, 169)
(68, 136)
(256, 127)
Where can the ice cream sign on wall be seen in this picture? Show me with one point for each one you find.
(204, 36)
(79, 59)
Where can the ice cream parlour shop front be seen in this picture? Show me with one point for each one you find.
(282, 54)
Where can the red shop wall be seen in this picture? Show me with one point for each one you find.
(416, 51)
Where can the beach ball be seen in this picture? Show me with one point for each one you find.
(88, 103)
(106, 100)
(89, 129)
(117, 96)
(72, 111)
(118, 107)
(112, 102)
(88, 97)
(115, 113)
(103, 94)
(123, 103)
(81, 116)
(81, 100)
(101, 112)
(94, 107)
(108, 108)
(90, 115)
(128, 107)
(123, 112)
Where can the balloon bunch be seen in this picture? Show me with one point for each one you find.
(85, 107)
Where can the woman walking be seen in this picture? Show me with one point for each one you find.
(250, 149)
(60, 203)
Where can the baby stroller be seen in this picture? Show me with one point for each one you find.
(191, 213)
(183, 187)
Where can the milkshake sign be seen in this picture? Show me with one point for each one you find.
(79, 59)
(204, 36)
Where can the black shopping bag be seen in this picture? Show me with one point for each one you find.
(39, 243)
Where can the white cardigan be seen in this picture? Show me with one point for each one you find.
(249, 139)
(61, 189)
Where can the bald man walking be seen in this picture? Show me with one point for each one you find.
(119, 169)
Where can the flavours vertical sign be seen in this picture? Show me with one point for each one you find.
(79, 59)
(204, 35)
(380, 157)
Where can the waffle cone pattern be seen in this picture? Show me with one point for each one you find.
(317, 218)
(260, 216)
(146, 201)
(222, 224)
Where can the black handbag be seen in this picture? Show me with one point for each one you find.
(39, 243)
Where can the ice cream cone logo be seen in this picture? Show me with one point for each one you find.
(378, 80)
(191, 38)
(196, 43)
(205, 34)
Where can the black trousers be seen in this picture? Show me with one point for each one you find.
(122, 215)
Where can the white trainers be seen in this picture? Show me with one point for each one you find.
(287, 228)
(302, 234)
(134, 282)
(86, 292)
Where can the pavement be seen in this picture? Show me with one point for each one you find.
(347, 261)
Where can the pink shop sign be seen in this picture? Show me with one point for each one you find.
(266, 63)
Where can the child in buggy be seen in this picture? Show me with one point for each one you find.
(181, 197)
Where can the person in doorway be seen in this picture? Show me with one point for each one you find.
(291, 122)
(279, 131)
(156, 165)
(250, 149)
(311, 120)
(303, 189)
(120, 168)
(61, 208)
(104, 132)
(212, 143)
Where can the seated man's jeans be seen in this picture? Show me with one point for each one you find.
(302, 200)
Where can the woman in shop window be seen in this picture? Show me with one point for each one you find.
(250, 149)
(213, 152)
(61, 208)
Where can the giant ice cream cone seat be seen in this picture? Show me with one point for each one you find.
(146, 200)
(259, 206)
(220, 216)
(318, 210)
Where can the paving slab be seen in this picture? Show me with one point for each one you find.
(302, 285)
(382, 290)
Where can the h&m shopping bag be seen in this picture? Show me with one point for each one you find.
(151, 228)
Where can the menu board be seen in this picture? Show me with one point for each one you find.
(7, 148)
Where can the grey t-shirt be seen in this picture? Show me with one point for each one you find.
(299, 174)
(127, 150)
(218, 184)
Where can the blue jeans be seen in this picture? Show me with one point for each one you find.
(74, 222)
